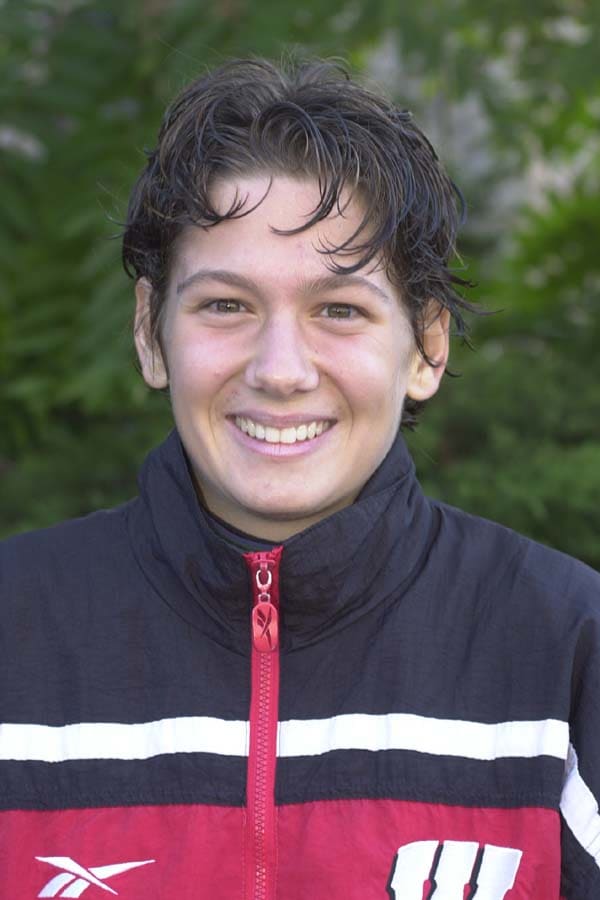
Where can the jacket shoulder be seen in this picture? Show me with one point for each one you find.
(61, 559)
(495, 554)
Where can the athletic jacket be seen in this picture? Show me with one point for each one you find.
(402, 702)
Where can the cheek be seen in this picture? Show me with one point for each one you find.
(375, 381)
(200, 366)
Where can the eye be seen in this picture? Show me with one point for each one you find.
(340, 311)
(224, 306)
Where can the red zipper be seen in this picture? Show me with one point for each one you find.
(261, 845)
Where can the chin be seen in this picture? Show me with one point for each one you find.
(284, 513)
(289, 510)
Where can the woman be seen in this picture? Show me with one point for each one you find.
(282, 671)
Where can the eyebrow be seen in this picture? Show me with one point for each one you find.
(320, 285)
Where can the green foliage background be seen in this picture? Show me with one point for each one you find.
(509, 93)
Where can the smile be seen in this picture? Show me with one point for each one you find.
(289, 435)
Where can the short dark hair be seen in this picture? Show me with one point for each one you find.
(302, 119)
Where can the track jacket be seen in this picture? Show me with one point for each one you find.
(402, 702)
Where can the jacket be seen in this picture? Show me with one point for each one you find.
(399, 702)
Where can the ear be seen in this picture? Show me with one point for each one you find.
(424, 379)
(149, 353)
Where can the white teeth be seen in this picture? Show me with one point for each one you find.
(290, 435)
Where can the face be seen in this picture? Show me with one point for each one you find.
(286, 381)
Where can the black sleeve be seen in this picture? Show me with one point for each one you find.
(580, 818)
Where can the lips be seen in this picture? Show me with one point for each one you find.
(289, 434)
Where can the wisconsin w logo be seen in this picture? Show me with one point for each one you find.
(74, 879)
(450, 867)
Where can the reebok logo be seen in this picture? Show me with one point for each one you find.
(74, 879)
(453, 870)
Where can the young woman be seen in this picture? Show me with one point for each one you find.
(281, 671)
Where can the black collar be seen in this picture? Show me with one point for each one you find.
(331, 573)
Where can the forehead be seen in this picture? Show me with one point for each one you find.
(253, 242)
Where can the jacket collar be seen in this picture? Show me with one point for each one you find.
(331, 573)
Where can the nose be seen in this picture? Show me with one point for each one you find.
(281, 362)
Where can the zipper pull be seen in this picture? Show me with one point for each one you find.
(264, 569)
(265, 618)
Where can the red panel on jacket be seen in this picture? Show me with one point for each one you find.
(197, 851)
(346, 849)
(327, 850)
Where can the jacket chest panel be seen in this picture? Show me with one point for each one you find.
(334, 850)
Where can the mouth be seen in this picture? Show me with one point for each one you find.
(290, 434)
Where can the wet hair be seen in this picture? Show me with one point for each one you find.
(304, 119)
